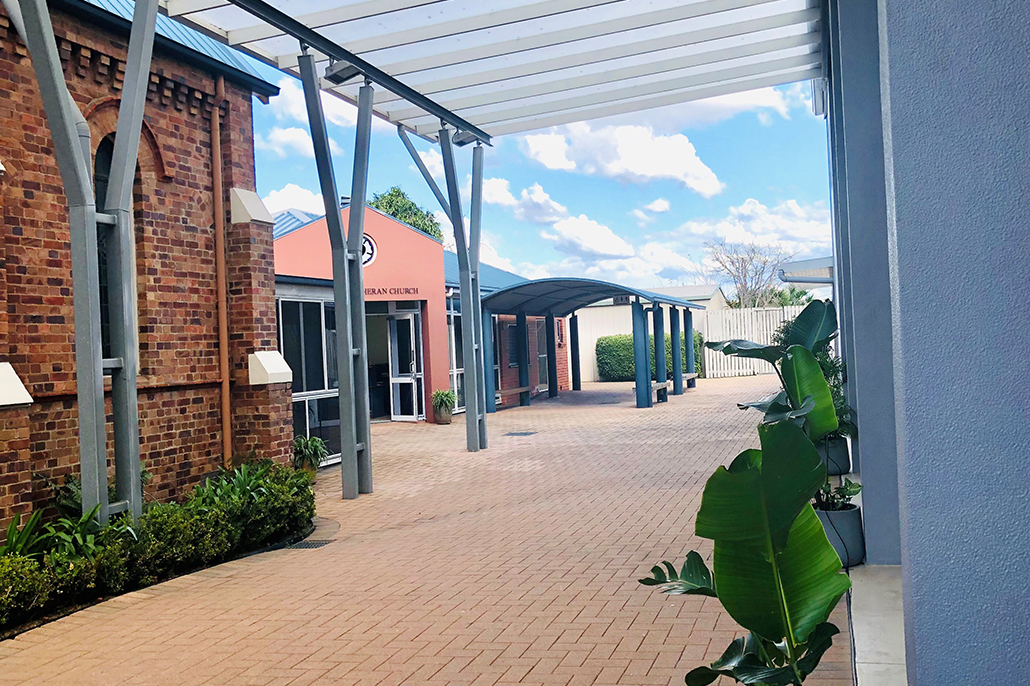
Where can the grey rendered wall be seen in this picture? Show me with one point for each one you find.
(956, 112)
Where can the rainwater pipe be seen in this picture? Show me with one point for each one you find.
(220, 279)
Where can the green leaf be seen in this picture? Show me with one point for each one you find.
(815, 327)
(775, 572)
(764, 404)
(803, 377)
(743, 348)
(693, 579)
(778, 412)
(819, 642)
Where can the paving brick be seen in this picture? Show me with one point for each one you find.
(516, 564)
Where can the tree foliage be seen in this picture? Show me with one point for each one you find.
(397, 204)
(750, 267)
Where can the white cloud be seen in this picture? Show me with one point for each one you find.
(584, 237)
(289, 106)
(292, 197)
(643, 218)
(550, 150)
(633, 154)
(498, 192)
(291, 141)
(659, 205)
(800, 229)
(536, 206)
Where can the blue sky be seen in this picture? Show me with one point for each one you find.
(631, 199)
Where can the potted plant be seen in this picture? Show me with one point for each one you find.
(834, 446)
(309, 453)
(842, 520)
(443, 405)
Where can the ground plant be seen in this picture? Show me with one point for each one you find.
(309, 453)
(444, 400)
(73, 560)
(773, 569)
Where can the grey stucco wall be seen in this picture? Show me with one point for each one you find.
(955, 81)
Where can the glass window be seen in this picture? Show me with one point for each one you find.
(101, 178)
(332, 372)
(291, 342)
(541, 351)
(406, 305)
(311, 324)
(324, 420)
(300, 420)
(377, 307)
(459, 344)
(513, 345)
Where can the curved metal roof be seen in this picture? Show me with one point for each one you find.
(563, 296)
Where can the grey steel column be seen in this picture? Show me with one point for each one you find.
(475, 232)
(488, 361)
(677, 351)
(871, 368)
(73, 162)
(661, 372)
(688, 337)
(468, 295)
(417, 159)
(122, 263)
(355, 239)
(341, 281)
(641, 353)
(522, 333)
(552, 358)
(577, 377)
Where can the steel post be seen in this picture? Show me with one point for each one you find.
(122, 258)
(417, 159)
(661, 372)
(522, 334)
(677, 351)
(641, 363)
(552, 359)
(577, 379)
(341, 281)
(475, 232)
(688, 336)
(355, 240)
(488, 361)
(73, 156)
(468, 291)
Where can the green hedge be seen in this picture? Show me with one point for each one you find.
(243, 509)
(615, 356)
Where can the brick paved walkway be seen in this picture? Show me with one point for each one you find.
(515, 564)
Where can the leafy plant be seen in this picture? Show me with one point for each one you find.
(834, 498)
(309, 453)
(444, 400)
(615, 360)
(25, 588)
(397, 204)
(25, 541)
(67, 497)
(74, 537)
(774, 571)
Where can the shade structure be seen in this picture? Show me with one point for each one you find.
(814, 271)
(508, 66)
(561, 297)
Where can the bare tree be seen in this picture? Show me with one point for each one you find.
(751, 267)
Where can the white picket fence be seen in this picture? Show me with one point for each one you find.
(753, 324)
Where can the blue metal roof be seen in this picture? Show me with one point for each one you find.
(288, 221)
(563, 296)
(490, 278)
(172, 32)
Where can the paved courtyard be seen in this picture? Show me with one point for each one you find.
(517, 564)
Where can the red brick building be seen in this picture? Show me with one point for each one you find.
(180, 384)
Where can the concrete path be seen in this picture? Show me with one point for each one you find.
(515, 564)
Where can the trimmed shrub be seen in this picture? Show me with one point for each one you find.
(615, 356)
(73, 578)
(25, 588)
(175, 539)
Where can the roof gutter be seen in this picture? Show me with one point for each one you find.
(805, 279)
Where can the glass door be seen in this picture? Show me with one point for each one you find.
(541, 353)
(404, 369)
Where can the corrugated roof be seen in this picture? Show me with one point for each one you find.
(176, 33)
(288, 221)
(563, 296)
(490, 278)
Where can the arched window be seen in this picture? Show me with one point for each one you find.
(101, 179)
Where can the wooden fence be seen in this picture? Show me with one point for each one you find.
(754, 324)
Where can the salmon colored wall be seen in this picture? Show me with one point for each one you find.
(408, 266)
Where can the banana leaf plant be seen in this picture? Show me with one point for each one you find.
(773, 569)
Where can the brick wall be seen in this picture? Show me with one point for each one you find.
(180, 419)
(510, 374)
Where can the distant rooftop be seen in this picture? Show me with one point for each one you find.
(490, 278)
(288, 221)
(174, 37)
(703, 291)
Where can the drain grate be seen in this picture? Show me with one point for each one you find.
(303, 545)
(520, 433)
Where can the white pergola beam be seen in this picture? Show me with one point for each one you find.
(556, 36)
(615, 76)
(177, 8)
(680, 83)
(679, 97)
(331, 17)
(590, 57)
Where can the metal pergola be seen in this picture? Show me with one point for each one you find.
(453, 72)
